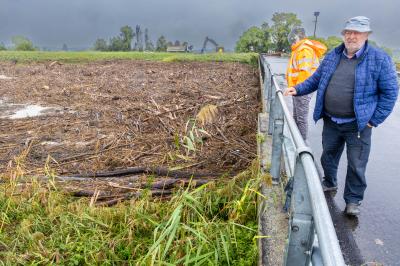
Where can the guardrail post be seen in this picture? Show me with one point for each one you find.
(277, 139)
(271, 92)
(270, 101)
(262, 140)
(301, 226)
(267, 88)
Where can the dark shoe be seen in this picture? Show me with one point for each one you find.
(352, 209)
(327, 188)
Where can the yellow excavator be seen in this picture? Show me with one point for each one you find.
(218, 49)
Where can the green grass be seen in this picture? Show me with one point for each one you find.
(215, 224)
(76, 57)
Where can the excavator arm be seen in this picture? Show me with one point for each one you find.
(217, 47)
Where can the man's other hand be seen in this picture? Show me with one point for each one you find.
(290, 91)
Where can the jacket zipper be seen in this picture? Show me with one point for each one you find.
(355, 84)
(354, 98)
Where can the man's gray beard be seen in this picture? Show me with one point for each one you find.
(353, 50)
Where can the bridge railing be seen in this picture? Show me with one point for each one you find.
(312, 238)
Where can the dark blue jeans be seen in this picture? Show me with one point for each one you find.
(358, 146)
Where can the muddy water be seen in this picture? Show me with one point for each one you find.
(18, 111)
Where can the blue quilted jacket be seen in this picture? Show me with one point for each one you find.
(376, 86)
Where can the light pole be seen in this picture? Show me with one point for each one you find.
(316, 14)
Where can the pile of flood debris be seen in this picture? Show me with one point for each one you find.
(79, 122)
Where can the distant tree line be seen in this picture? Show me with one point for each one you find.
(123, 42)
(274, 38)
(255, 39)
(20, 43)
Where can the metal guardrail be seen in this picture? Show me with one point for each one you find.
(312, 238)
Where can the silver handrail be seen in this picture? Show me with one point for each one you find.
(312, 236)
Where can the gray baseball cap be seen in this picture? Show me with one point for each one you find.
(360, 24)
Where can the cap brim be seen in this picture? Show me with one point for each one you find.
(356, 29)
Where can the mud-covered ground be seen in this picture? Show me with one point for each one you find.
(113, 115)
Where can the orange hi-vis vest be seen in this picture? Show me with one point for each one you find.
(304, 60)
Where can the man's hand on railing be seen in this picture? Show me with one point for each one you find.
(290, 91)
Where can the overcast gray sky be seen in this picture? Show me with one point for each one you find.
(78, 23)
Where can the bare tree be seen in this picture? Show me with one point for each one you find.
(139, 39)
(148, 44)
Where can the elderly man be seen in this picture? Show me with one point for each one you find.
(302, 64)
(357, 88)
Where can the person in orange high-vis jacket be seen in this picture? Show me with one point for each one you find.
(303, 63)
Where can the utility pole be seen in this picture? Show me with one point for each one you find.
(316, 14)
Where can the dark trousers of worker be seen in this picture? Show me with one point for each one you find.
(358, 146)
(300, 113)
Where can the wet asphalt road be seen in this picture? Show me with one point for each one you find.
(376, 231)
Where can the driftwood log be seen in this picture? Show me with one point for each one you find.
(156, 189)
(159, 171)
